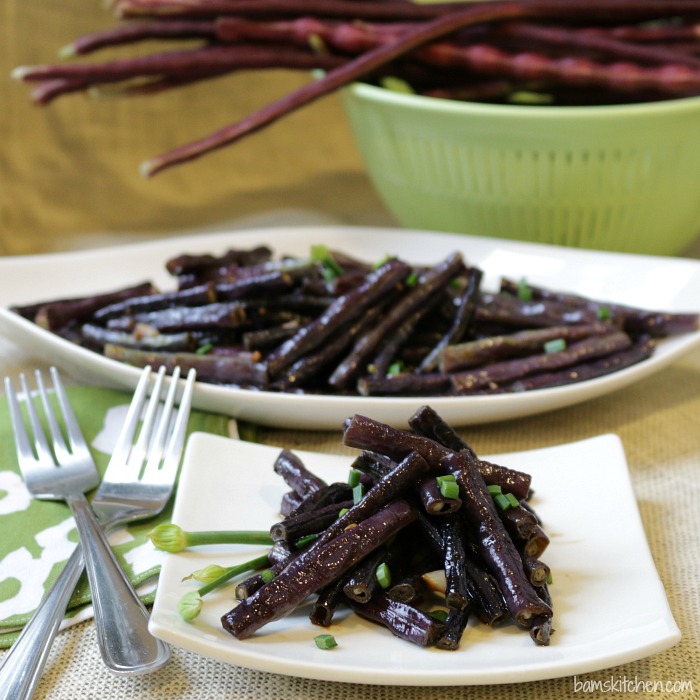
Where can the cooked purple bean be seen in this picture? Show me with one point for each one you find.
(519, 521)
(464, 314)
(537, 571)
(289, 503)
(427, 422)
(510, 370)
(408, 590)
(638, 351)
(295, 473)
(495, 545)
(361, 582)
(266, 338)
(512, 311)
(186, 318)
(98, 336)
(315, 569)
(416, 297)
(401, 619)
(407, 384)
(54, 315)
(433, 500)
(240, 370)
(455, 624)
(368, 434)
(309, 522)
(634, 320)
(493, 348)
(324, 607)
(536, 543)
(156, 301)
(343, 310)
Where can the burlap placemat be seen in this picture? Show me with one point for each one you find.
(658, 421)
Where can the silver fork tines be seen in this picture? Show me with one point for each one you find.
(129, 491)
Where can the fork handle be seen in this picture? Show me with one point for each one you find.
(121, 620)
(25, 660)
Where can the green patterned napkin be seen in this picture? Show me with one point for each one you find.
(37, 537)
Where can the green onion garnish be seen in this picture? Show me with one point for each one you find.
(514, 502)
(342, 512)
(354, 477)
(524, 291)
(331, 269)
(204, 349)
(556, 345)
(325, 641)
(267, 575)
(383, 575)
(448, 486)
(395, 368)
(412, 280)
(357, 493)
(440, 615)
(603, 313)
(501, 501)
(494, 489)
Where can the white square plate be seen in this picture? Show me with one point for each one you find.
(610, 606)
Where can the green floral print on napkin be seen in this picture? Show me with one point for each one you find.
(37, 537)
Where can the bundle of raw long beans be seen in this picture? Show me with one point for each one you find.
(570, 51)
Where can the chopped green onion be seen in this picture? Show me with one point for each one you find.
(501, 501)
(357, 493)
(331, 269)
(383, 575)
(204, 349)
(342, 512)
(448, 486)
(440, 615)
(494, 489)
(556, 345)
(412, 280)
(381, 261)
(354, 477)
(325, 641)
(267, 575)
(524, 291)
(549, 579)
(514, 502)
(395, 368)
(603, 313)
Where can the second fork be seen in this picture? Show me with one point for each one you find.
(133, 650)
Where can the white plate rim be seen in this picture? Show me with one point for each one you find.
(25, 274)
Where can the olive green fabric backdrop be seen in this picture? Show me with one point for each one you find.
(71, 169)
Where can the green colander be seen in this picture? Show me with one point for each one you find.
(623, 178)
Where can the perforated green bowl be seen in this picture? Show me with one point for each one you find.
(623, 178)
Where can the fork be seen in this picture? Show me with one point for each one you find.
(124, 495)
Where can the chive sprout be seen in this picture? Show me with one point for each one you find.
(169, 537)
(190, 604)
